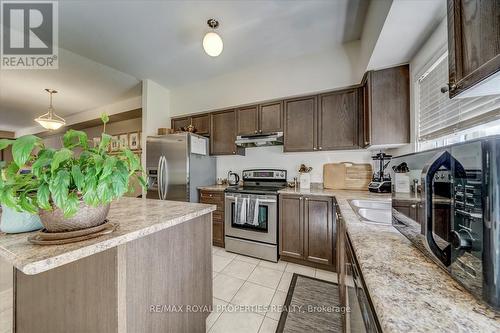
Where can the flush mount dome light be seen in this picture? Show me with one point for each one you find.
(50, 120)
(212, 43)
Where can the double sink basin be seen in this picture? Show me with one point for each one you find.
(377, 212)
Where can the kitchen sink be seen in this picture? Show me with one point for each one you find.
(376, 215)
(377, 212)
(371, 204)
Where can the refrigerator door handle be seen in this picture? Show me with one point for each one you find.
(159, 179)
(164, 178)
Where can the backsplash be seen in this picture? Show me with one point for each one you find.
(273, 157)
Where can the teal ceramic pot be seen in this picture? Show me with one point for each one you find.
(13, 222)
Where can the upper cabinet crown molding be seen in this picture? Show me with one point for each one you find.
(473, 46)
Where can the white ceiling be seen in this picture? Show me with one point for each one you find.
(161, 40)
(108, 47)
(407, 26)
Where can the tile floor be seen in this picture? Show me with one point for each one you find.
(245, 287)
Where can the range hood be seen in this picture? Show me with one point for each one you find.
(260, 140)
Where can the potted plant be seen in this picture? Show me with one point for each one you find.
(70, 188)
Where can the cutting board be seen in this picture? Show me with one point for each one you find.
(347, 176)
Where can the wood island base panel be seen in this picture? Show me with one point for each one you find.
(160, 281)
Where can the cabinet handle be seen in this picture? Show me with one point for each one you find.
(413, 206)
(320, 148)
(260, 131)
(314, 148)
(234, 152)
(210, 195)
(307, 199)
(256, 131)
(300, 198)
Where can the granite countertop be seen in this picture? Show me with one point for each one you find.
(213, 187)
(137, 218)
(410, 293)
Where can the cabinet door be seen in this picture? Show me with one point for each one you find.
(248, 120)
(223, 133)
(271, 117)
(291, 227)
(300, 124)
(179, 123)
(319, 230)
(201, 123)
(389, 106)
(338, 120)
(473, 42)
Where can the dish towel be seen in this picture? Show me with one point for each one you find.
(240, 210)
(255, 220)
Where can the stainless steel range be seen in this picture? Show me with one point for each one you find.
(251, 214)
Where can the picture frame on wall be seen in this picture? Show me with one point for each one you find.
(115, 143)
(134, 141)
(123, 141)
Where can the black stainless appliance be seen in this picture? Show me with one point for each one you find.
(457, 222)
(381, 181)
(251, 214)
(176, 165)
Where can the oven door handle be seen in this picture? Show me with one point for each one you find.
(260, 200)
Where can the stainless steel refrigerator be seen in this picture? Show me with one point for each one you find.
(176, 165)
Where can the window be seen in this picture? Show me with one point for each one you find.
(442, 120)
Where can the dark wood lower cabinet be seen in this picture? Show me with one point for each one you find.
(215, 198)
(307, 231)
(291, 228)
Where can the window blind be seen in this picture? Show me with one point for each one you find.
(438, 115)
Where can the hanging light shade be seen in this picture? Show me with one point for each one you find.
(212, 43)
(50, 120)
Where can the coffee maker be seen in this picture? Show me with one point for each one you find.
(381, 182)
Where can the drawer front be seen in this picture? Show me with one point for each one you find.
(213, 198)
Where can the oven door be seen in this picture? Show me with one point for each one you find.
(251, 222)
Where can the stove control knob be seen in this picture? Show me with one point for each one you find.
(282, 174)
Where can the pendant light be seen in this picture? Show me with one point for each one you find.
(50, 120)
(212, 43)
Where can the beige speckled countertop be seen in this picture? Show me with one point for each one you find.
(213, 187)
(410, 293)
(137, 218)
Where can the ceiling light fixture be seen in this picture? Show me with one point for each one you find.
(50, 120)
(212, 43)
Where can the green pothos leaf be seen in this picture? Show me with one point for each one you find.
(60, 156)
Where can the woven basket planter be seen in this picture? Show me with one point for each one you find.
(86, 217)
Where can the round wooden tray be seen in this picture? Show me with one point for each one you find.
(43, 237)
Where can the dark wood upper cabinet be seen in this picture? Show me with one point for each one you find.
(338, 115)
(248, 120)
(473, 42)
(319, 234)
(179, 123)
(271, 117)
(223, 133)
(262, 119)
(386, 107)
(300, 124)
(291, 227)
(201, 123)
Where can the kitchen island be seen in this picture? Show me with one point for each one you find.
(152, 274)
